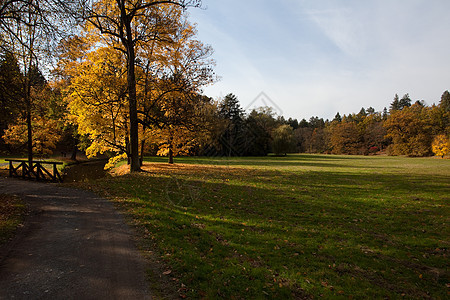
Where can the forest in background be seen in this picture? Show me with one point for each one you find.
(128, 82)
(412, 129)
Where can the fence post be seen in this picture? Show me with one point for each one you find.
(55, 172)
(24, 168)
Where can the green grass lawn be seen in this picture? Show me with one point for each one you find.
(299, 226)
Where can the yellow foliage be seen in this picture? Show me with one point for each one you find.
(97, 100)
(46, 134)
(180, 140)
(441, 145)
(171, 68)
(114, 160)
(410, 130)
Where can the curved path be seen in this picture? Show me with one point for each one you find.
(74, 246)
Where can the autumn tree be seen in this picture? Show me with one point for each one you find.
(28, 29)
(373, 133)
(172, 104)
(182, 124)
(70, 54)
(96, 98)
(180, 138)
(303, 137)
(410, 130)
(46, 115)
(131, 23)
(345, 138)
(441, 145)
(171, 70)
(406, 130)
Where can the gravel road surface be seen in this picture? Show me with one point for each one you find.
(74, 246)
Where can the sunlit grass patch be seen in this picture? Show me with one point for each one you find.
(296, 226)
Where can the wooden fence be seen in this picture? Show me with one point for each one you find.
(36, 171)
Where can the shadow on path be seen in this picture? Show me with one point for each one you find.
(74, 246)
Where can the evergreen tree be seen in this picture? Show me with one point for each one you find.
(337, 118)
(405, 101)
(385, 113)
(395, 105)
(315, 122)
(303, 124)
(233, 139)
(400, 104)
(362, 112)
(293, 123)
(445, 101)
(230, 109)
(370, 110)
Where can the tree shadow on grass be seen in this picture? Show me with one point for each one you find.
(216, 227)
(293, 160)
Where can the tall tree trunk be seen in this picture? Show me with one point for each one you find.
(141, 160)
(170, 147)
(74, 148)
(170, 155)
(74, 152)
(29, 133)
(127, 142)
(132, 101)
(28, 108)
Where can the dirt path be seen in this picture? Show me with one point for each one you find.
(74, 246)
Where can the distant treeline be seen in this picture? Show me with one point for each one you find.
(405, 129)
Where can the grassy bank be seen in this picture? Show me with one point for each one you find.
(294, 227)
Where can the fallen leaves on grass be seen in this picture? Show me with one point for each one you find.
(10, 205)
(11, 210)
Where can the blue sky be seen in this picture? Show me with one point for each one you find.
(315, 58)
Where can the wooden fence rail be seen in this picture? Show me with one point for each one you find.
(36, 171)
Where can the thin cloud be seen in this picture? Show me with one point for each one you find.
(314, 58)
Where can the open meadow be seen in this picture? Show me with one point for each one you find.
(300, 226)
